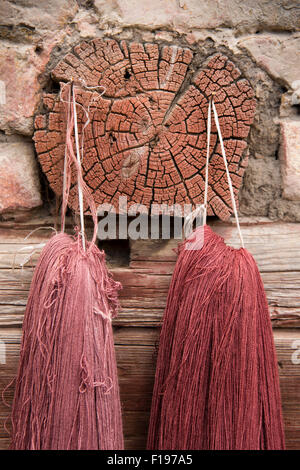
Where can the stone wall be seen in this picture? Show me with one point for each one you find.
(262, 38)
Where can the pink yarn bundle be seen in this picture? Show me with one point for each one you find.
(67, 394)
(216, 385)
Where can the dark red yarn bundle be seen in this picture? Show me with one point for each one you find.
(67, 393)
(216, 385)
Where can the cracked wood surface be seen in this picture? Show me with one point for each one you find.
(146, 139)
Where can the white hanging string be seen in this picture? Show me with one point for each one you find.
(71, 101)
(202, 209)
(87, 112)
(80, 194)
(65, 160)
(227, 172)
(207, 158)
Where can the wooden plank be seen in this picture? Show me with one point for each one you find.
(136, 350)
(275, 246)
(149, 317)
(144, 295)
(145, 301)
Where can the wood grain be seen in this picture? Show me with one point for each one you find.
(275, 246)
(146, 137)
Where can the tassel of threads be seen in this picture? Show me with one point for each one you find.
(216, 384)
(67, 393)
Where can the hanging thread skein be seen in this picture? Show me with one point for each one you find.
(67, 393)
(216, 384)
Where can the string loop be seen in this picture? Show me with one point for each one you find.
(212, 107)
